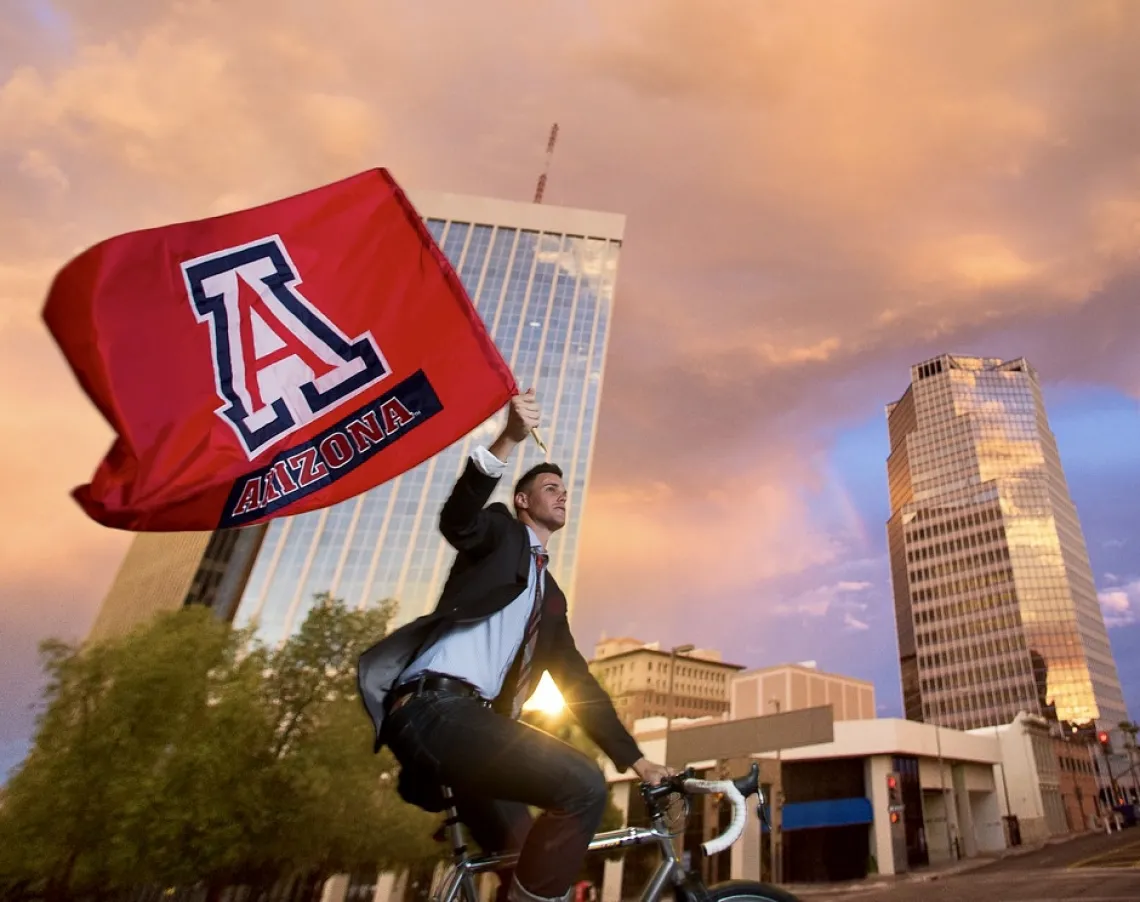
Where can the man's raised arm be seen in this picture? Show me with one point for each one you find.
(464, 522)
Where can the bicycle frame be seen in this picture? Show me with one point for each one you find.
(459, 880)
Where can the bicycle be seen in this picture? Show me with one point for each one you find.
(458, 884)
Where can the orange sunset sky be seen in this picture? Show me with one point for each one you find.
(818, 195)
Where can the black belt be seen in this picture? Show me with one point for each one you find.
(403, 693)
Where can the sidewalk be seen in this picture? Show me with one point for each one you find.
(926, 874)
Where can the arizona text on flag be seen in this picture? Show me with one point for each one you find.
(274, 360)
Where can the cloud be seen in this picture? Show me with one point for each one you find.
(842, 596)
(816, 199)
(631, 534)
(1121, 605)
(853, 623)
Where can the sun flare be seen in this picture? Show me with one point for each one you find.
(546, 697)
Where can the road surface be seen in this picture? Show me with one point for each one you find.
(1096, 868)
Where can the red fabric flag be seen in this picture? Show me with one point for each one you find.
(274, 360)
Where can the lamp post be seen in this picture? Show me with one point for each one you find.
(673, 652)
(777, 821)
(1007, 821)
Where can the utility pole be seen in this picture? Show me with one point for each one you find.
(670, 710)
(1008, 819)
(942, 785)
(777, 825)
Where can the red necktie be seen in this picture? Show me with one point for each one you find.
(523, 687)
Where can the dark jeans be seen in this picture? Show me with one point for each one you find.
(496, 767)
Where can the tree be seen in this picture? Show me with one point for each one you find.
(89, 809)
(353, 819)
(186, 753)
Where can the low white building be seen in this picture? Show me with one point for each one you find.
(830, 803)
(1030, 779)
(946, 779)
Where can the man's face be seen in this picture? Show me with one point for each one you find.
(545, 501)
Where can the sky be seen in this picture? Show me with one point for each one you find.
(818, 196)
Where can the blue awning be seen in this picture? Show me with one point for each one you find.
(828, 813)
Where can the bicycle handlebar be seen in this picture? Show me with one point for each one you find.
(739, 811)
(736, 791)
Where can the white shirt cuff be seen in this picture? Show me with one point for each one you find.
(488, 464)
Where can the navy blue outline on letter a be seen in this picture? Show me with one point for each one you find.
(219, 302)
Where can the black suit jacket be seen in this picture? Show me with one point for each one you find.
(490, 570)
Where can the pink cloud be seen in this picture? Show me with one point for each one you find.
(815, 199)
(1121, 604)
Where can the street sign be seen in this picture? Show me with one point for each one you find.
(750, 736)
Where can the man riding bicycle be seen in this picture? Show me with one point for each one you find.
(445, 691)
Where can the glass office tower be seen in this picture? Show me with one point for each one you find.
(542, 278)
(994, 596)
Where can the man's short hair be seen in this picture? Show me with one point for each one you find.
(527, 479)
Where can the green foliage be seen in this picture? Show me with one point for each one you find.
(184, 752)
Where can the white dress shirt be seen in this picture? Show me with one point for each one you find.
(481, 653)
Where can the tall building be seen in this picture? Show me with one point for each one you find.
(164, 571)
(995, 603)
(542, 279)
(639, 676)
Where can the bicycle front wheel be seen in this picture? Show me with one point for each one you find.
(748, 891)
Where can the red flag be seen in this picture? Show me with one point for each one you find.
(274, 360)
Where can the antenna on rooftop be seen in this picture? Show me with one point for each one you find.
(541, 187)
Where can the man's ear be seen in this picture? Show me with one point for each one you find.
(521, 501)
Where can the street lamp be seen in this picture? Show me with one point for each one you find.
(777, 823)
(673, 652)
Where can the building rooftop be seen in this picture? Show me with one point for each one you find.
(808, 667)
(611, 649)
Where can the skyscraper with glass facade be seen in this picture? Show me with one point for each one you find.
(994, 596)
(542, 278)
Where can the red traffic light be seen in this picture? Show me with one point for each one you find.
(1102, 737)
(892, 782)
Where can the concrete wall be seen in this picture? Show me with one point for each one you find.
(1019, 783)
(960, 806)
(940, 820)
(988, 827)
(875, 770)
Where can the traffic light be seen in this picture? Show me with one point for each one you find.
(1105, 741)
(894, 798)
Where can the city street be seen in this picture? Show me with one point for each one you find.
(1095, 868)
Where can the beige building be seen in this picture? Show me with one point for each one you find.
(794, 687)
(637, 676)
(164, 571)
(995, 603)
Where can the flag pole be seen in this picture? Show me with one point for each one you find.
(538, 440)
